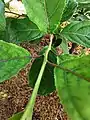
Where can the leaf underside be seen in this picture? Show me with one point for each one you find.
(47, 83)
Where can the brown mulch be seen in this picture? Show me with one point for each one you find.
(15, 93)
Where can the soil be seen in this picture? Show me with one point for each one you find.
(15, 93)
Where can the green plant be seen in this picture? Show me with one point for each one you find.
(68, 74)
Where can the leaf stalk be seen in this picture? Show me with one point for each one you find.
(29, 109)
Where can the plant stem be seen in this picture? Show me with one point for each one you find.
(29, 109)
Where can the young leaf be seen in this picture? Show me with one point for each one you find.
(12, 59)
(69, 10)
(47, 82)
(46, 14)
(16, 116)
(78, 32)
(72, 80)
(20, 30)
(2, 17)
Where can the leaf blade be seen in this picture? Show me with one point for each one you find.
(78, 32)
(46, 16)
(70, 7)
(70, 86)
(20, 30)
(16, 116)
(12, 59)
(47, 82)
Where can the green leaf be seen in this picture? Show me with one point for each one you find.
(84, 4)
(20, 30)
(69, 10)
(2, 17)
(16, 116)
(12, 59)
(46, 14)
(64, 46)
(47, 82)
(25, 30)
(78, 32)
(72, 80)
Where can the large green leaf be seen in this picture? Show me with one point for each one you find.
(47, 82)
(46, 14)
(69, 10)
(72, 80)
(78, 32)
(20, 30)
(16, 116)
(2, 17)
(12, 59)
